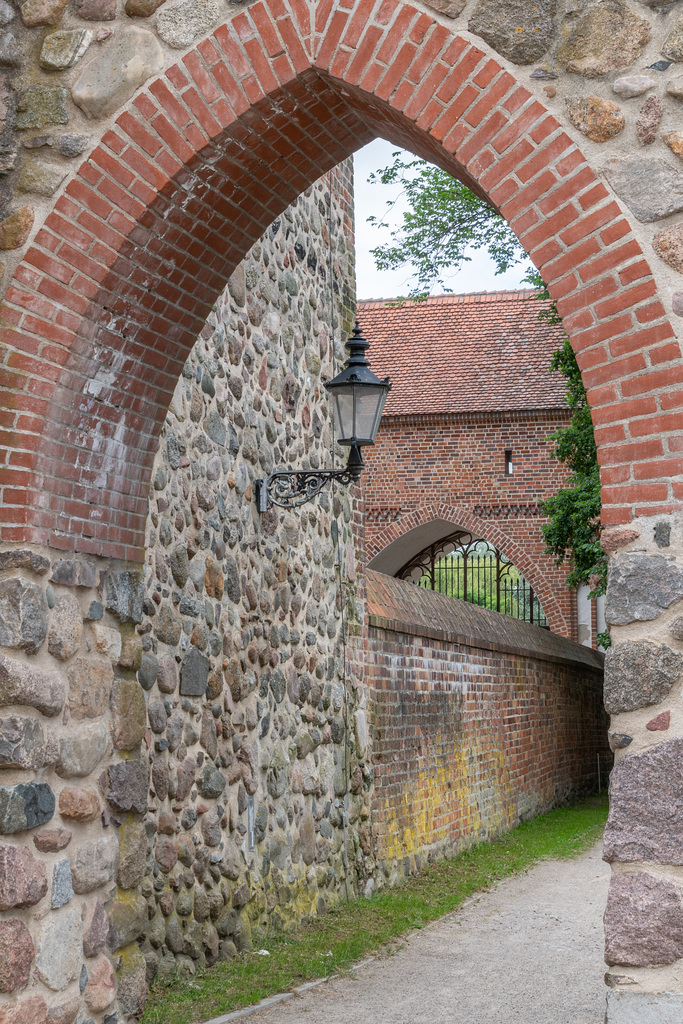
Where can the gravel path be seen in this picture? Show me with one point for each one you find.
(529, 952)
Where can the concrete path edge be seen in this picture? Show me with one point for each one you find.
(281, 997)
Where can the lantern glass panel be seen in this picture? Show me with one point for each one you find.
(342, 408)
(370, 401)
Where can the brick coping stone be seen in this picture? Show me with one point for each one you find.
(400, 606)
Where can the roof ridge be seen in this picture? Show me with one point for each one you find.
(460, 297)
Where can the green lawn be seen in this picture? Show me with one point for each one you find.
(356, 929)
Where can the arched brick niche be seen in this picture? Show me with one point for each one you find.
(400, 541)
(102, 311)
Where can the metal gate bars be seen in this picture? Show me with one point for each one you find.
(473, 570)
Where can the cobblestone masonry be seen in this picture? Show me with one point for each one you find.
(250, 762)
(197, 124)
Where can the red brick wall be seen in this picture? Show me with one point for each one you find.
(458, 461)
(469, 739)
(123, 271)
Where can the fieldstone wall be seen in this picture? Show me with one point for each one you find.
(177, 768)
(643, 693)
(73, 788)
(243, 659)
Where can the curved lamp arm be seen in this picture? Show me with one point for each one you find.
(292, 488)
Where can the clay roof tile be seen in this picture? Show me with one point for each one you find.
(483, 351)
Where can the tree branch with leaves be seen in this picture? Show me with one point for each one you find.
(443, 224)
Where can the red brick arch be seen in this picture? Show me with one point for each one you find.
(102, 311)
(491, 531)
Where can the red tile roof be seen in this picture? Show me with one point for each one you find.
(485, 351)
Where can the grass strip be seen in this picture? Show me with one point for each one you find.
(356, 929)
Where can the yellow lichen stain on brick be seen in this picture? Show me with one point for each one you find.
(452, 805)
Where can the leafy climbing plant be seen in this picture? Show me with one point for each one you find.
(572, 533)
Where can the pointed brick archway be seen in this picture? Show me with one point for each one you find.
(106, 304)
(437, 515)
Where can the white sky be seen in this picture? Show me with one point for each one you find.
(475, 276)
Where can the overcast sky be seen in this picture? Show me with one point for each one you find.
(476, 276)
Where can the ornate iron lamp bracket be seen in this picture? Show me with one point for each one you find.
(290, 489)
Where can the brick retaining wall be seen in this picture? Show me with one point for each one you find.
(478, 721)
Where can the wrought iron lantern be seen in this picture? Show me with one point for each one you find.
(358, 398)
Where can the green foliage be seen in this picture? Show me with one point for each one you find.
(449, 578)
(444, 219)
(573, 532)
(351, 931)
(548, 314)
(512, 590)
(575, 444)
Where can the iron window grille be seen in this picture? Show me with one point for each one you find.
(473, 570)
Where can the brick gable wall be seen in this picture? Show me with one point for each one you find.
(458, 461)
